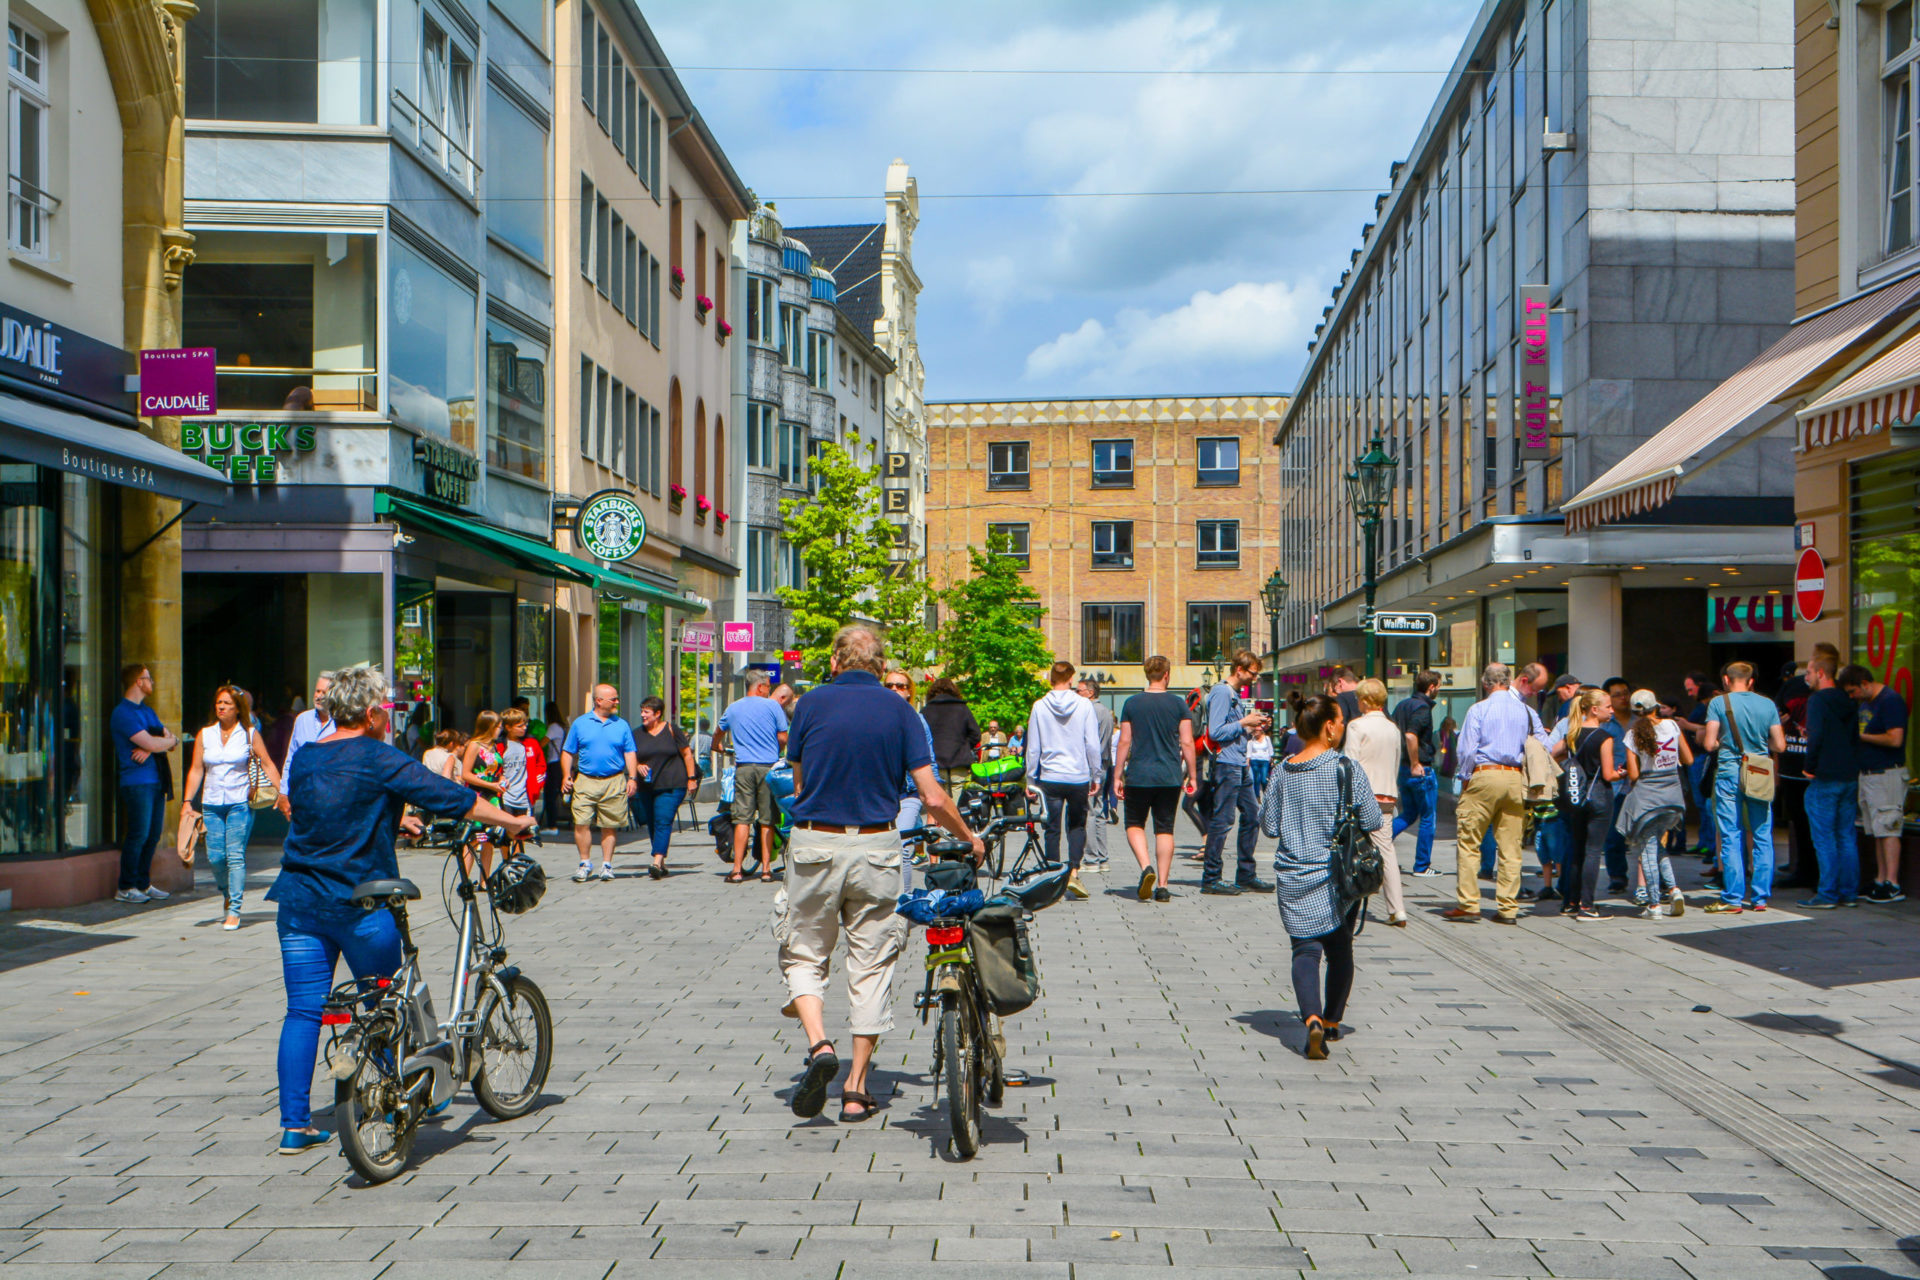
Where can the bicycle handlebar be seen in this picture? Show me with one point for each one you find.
(927, 835)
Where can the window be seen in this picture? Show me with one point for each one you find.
(793, 453)
(1113, 544)
(631, 146)
(588, 42)
(630, 300)
(446, 103)
(294, 318)
(516, 178)
(819, 359)
(761, 310)
(587, 205)
(793, 335)
(1218, 543)
(653, 452)
(653, 299)
(1010, 540)
(602, 242)
(1112, 633)
(602, 68)
(793, 565)
(673, 237)
(653, 153)
(616, 261)
(1219, 461)
(700, 261)
(516, 402)
(873, 390)
(1007, 466)
(1113, 464)
(616, 425)
(1897, 77)
(760, 421)
(762, 558)
(530, 16)
(602, 381)
(813, 476)
(640, 453)
(30, 205)
(282, 61)
(1214, 630)
(430, 346)
(587, 372)
(616, 89)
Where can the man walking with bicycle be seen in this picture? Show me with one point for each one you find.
(850, 744)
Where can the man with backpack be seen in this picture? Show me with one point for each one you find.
(1228, 721)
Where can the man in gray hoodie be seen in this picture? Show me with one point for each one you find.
(1063, 759)
(1096, 857)
(1228, 721)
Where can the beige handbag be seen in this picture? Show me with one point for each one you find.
(1757, 777)
(261, 793)
(192, 836)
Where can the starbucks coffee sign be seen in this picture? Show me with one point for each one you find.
(610, 526)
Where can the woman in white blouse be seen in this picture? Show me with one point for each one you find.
(221, 753)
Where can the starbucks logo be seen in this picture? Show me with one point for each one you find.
(611, 525)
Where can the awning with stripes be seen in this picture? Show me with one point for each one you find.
(1885, 392)
(1645, 479)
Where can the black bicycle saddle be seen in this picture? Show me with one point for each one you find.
(374, 892)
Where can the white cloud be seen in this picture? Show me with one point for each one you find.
(1246, 325)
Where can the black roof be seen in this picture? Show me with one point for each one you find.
(852, 253)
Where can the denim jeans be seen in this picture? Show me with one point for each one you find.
(1261, 768)
(1696, 774)
(1067, 801)
(1832, 810)
(909, 817)
(1419, 803)
(143, 812)
(1233, 795)
(1727, 802)
(228, 826)
(659, 805)
(311, 942)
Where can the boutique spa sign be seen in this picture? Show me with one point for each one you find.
(248, 452)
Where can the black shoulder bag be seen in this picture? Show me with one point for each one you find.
(1354, 861)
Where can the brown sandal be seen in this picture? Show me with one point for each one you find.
(734, 877)
(862, 1100)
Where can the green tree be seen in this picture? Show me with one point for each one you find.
(991, 643)
(846, 548)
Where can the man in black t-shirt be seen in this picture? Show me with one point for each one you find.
(1152, 766)
(1419, 785)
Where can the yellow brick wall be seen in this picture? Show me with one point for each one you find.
(1062, 504)
(1816, 166)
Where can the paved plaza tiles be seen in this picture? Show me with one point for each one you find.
(1724, 1098)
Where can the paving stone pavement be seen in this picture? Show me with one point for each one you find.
(1170, 1121)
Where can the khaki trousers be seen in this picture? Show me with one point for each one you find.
(1494, 798)
(1383, 841)
(842, 882)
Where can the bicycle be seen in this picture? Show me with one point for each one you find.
(970, 1049)
(393, 1062)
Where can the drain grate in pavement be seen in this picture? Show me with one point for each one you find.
(1527, 1053)
(1562, 1080)
(1857, 1183)
(1670, 1153)
(1808, 1253)
(1489, 1028)
(1726, 1197)
(1614, 1115)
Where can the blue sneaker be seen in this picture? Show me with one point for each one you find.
(293, 1141)
(1817, 903)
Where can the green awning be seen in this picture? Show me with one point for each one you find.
(523, 552)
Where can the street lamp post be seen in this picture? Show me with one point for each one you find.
(1273, 598)
(1368, 485)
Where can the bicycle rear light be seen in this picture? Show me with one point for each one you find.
(335, 1018)
(948, 935)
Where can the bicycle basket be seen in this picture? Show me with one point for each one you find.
(517, 884)
(1003, 957)
(1040, 888)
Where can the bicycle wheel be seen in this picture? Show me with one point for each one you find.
(513, 1049)
(373, 1137)
(960, 1039)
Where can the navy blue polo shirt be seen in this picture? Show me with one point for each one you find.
(852, 741)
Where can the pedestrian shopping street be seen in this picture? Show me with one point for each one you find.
(1536, 1101)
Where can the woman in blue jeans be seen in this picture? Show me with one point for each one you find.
(220, 776)
(666, 764)
(347, 793)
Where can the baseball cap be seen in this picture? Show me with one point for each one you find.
(1644, 700)
(1567, 682)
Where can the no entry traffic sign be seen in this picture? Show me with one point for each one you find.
(1810, 585)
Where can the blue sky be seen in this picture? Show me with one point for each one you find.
(1091, 294)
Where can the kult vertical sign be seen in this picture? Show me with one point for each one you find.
(1535, 373)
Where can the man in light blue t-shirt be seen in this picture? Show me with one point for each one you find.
(1753, 731)
(756, 728)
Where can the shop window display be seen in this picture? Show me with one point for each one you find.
(1884, 522)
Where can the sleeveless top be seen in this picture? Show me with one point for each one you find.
(487, 765)
(224, 765)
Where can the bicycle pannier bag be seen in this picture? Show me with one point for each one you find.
(1003, 953)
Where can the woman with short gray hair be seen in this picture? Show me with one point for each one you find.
(348, 792)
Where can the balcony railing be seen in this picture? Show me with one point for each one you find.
(30, 211)
(431, 140)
